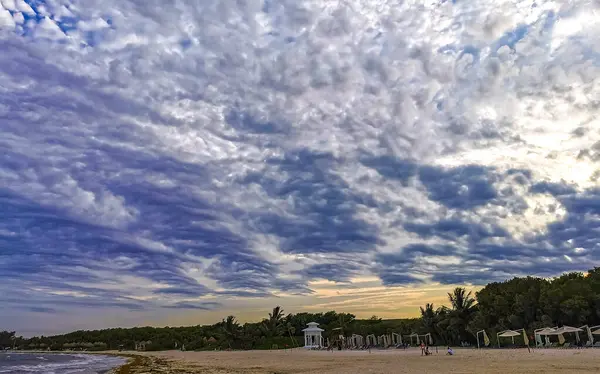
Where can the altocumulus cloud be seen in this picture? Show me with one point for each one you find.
(177, 154)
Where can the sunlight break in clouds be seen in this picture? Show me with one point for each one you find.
(168, 162)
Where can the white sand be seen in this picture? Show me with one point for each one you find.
(389, 361)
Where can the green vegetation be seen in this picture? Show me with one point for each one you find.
(571, 299)
(278, 330)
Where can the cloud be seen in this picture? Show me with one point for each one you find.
(453, 229)
(556, 189)
(183, 305)
(190, 154)
(460, 188)
(37, 309)
(183, 291)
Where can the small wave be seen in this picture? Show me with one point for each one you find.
(73, 371)
(80, 363)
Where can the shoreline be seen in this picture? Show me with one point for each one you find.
(127, 357)
(134, 362)
(138, 363)
(129, 366)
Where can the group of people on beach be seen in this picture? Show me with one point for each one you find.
(425, 350)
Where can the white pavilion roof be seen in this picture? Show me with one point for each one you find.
(312, 327)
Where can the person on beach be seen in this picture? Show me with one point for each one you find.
(422, 349)
(450, 352)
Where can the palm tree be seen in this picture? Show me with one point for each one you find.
(344, 321)
(463, 308)
(277, 314)
(442, 323)
(273, 325)
(230, 329)
(428, 318)
(461, 301)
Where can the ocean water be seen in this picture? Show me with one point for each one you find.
(56, 363)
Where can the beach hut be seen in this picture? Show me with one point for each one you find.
(383, 341)
(507, 334)
(354, 341)
(371, 340)
(512, 334)
(571, 329)
(567, 330)
(543, 332)
(414, 335)
(357, 340)
(427, 339)
(559, 332)
(312, 336)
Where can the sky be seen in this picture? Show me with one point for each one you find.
(170, 162)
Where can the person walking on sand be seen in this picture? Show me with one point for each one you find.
(422, 349)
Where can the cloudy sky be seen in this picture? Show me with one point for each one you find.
(174, 161)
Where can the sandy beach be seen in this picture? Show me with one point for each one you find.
(390, 361)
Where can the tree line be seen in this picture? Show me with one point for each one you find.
(277, 330)
(571, 299)
(530, 303)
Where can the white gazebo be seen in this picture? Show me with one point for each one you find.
(312, 336)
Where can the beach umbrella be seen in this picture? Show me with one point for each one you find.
(509, 334)
(565, 329)
(568, 329)
(547, 331)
